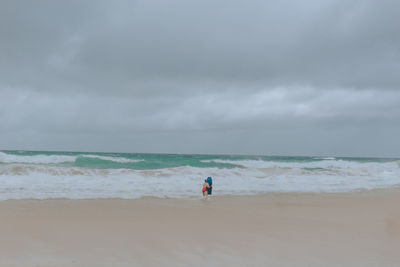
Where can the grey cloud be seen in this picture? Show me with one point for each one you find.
(216, 111)
(102, 45)
(153, 73)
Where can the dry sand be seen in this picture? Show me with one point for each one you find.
(359, 229)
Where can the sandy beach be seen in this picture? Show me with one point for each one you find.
(357, 229)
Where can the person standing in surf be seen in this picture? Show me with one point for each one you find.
(209, 181)
(205, 188)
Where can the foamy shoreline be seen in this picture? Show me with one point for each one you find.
(79, 175)
(287, 229)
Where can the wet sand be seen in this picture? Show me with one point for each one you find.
(357, 229)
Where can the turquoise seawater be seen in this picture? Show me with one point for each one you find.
(143, 161)
(82, 175)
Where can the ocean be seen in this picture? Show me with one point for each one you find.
(84, 175)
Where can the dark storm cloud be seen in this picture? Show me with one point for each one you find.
(154, 73)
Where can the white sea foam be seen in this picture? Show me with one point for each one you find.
(21, 181)
(328, 164)
(35, 159)
(115, 159)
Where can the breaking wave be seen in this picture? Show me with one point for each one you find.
(42, 175)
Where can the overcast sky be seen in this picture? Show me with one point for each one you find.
(312, 77)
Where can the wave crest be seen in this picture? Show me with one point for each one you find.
(56, 159)
(35, 159)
